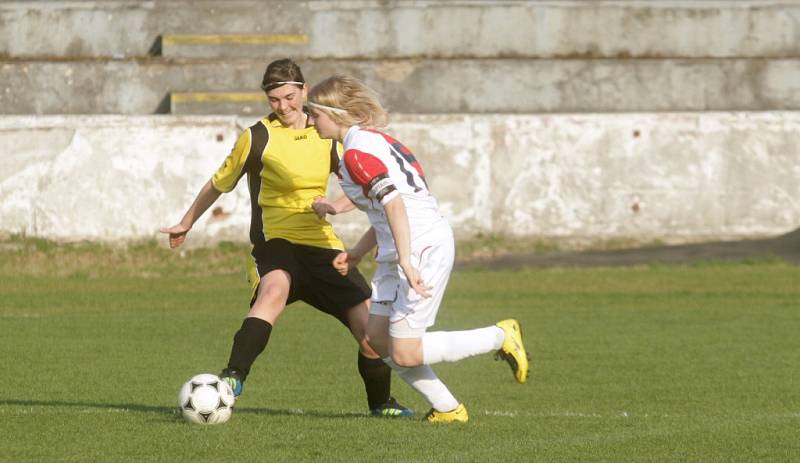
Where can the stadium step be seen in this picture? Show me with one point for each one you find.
(245, 103)
(411, 86)
(378, 29)
(230, 45)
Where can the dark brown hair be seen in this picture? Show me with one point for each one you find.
(281, 71)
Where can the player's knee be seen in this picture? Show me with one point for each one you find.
(378, 345)
(406, 359)
(272, 296)
(268, 306)
(368, 350)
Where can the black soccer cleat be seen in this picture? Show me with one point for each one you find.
(234, 379)
(391, 409)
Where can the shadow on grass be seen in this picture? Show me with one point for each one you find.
(299, 412)
(173, 411)
(79, 404)
(785, 247)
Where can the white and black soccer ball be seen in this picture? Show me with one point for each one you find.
(206, 399)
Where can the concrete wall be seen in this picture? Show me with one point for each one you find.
(91, 57)
(614, 119)
(673, 176)
(385, 29)
(428, 86)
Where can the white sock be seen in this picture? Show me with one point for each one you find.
(423, 380)
(452, 346)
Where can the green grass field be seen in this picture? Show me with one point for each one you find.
(655, 363)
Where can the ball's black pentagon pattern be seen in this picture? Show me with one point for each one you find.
(188, 405)
(214, 405)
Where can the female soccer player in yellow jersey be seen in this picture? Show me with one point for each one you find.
(415, 249)
(288, 165)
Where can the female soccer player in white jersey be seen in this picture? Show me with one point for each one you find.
(287, 165)
(415, 249)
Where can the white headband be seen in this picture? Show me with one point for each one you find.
(272, 85)
(329, 108)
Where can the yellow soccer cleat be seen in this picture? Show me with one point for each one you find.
(513, 351)
(459, 415)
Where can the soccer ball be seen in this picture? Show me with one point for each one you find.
(206, 399)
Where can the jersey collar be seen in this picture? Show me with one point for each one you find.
(351, 132)
(274, 121)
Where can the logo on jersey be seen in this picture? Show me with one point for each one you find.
(300, 137)
(380, 186)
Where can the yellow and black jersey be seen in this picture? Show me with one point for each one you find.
(286, 169)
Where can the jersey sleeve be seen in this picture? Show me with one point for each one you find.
(371, 174)
(231, 170)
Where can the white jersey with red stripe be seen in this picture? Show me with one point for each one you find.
(376, 168)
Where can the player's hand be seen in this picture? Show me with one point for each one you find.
(177, 234)
(415, 280)
(341, 263)
(322, 207)
(344, 261)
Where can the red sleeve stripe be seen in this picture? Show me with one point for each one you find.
(363, 167)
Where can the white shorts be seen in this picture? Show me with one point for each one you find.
(409, 313)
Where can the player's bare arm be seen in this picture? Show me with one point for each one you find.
(322, 206)
(351, 258)
(398, 223)
(205, 198)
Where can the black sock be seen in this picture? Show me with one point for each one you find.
(377, 377)
(248, 343)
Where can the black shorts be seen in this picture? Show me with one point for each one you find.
(314, 280)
